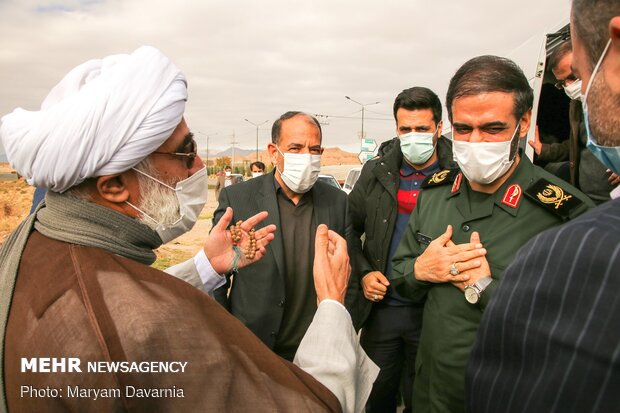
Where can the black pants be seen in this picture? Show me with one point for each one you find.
(390, 337)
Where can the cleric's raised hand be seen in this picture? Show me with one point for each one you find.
(219, 244)
(331, 265)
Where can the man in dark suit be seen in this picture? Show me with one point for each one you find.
(549, 341)
(275, 298)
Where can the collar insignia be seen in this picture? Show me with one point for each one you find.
(512, 197)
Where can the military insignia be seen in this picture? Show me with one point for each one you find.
(457, 182)
(512, 197)
(553, 194)
(440, 178)
(553, 197)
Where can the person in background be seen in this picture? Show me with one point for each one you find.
(549, 341)
(586, 172)
(224, 180)
(257, 168)
(380, 205)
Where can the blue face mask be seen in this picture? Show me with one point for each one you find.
(608, 155)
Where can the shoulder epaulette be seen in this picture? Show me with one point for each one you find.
(553, 197)
(440, 178)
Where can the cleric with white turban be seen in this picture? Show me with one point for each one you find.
(104, 117)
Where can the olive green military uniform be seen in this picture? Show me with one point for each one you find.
(529, 202)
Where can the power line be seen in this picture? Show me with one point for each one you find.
(378, 113)
(349, 117)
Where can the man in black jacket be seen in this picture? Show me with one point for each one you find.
(380, 205)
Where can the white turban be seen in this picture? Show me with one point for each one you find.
(104, 117)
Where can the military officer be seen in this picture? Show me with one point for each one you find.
(469, 223)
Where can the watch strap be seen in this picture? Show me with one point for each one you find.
(483, 283)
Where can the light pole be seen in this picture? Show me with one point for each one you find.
(208, 136)
(363, 105)
(233, 143)
(257, 125)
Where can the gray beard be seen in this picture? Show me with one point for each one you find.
(156, 200)
(603, 112)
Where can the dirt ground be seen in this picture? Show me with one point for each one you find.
(15, 203)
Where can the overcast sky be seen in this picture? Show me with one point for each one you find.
(258, 59)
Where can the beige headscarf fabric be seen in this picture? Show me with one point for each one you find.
(104, 117)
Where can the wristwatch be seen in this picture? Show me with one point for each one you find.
(473, 292)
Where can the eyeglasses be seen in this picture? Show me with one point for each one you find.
(189, 152)
(560, 84)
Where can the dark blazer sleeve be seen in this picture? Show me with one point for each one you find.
(357, 215)
(221, 294)
(355, 301)
(555, 152)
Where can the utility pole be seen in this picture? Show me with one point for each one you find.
(208, 136)
(233, 143)
(257, 125)
(363, 105)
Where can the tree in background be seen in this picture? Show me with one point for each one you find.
(220, 163)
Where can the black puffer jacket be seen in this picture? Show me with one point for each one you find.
(373, 208)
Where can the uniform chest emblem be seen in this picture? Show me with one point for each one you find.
(512, 196)
(457, 183)
(438, 177)
(554, 195)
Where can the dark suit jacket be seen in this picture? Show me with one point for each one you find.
(550, 339)
(257, 295)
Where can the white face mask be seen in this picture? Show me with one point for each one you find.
(484, 162)
(256, 174)
(301, 171)
(573, 90)
(228, 173)
(417, 147)
(192, 196)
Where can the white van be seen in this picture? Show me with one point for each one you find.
(550, 110)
